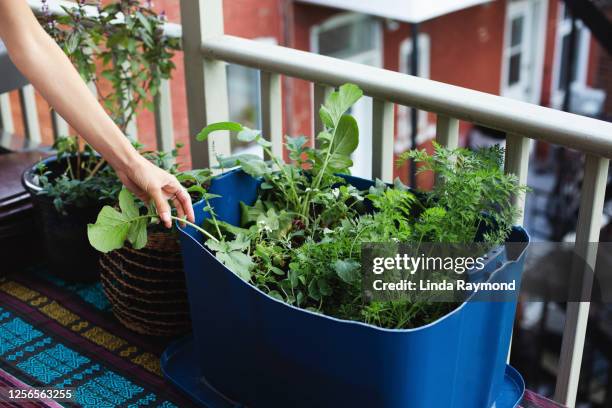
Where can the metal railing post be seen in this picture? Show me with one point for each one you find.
(60, 127)
(447, 131)
(164, 126)
(383, 133)
(587, 232)
(205, 79)
(272, 111)
(29, 113)
(6, 114)
(319, 95)
(517, 163)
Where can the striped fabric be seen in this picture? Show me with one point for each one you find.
(55, 334)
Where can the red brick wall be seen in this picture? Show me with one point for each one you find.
(466, 48)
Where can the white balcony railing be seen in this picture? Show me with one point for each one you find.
(207, 49)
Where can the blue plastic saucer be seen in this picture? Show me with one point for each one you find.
(179, 367)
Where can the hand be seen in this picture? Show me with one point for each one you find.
(150, 183)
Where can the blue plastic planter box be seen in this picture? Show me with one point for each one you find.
(263, 353)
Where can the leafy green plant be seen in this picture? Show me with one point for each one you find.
(121, 49)
(80, 177)
(471, 184)
(132, 220)
(301, 240)
(114, 227)
(302, 190)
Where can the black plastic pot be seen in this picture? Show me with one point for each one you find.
(18, 228)
(66, 247)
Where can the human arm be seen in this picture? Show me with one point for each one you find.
(45, 65)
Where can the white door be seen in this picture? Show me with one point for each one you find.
(518, 64)
(357, 38)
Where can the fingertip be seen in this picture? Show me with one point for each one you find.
(165, 218)
(190, 214)
(185, 200)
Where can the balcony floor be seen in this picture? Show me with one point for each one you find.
(55, 334)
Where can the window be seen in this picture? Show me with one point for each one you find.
(243, 87)
(404, 123)
(346, 36)
(522, 62)
(516, 50)
(562, 50)
(243, 93)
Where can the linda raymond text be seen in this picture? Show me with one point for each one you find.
(444, 285)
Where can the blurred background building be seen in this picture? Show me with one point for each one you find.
(520, 49)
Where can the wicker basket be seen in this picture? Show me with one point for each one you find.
(147, 286)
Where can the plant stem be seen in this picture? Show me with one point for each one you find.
(282, 168)
(78, 157)
(200, 229)
(96, 168)
(69, 168)
(181, 220)
(317, 182)
(214, 218)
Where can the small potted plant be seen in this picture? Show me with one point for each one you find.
(68, 190)
(142, 272)
(275, 282)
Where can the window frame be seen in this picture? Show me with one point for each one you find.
(341, 19)
(563, 29)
